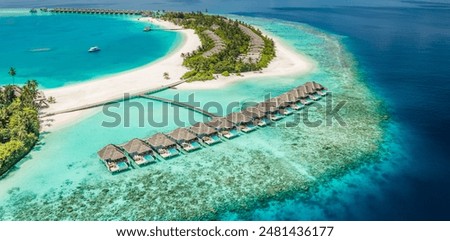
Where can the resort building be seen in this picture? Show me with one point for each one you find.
(303, 93)
(244, 122)
(140, 152)
(162, 144)
(320, 89)
(271, 108)
(226, 128)
(113, 158)
(206, 133)
(287, 103)
(296, 105)
(185, 139)
(259, 117)
(219, 45)
(209, 133)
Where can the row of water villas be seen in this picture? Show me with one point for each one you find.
(139, 152)
(98, 11)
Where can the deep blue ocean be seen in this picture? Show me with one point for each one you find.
(403, 51)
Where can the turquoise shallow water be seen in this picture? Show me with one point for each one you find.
(53, 48)
(65, 179)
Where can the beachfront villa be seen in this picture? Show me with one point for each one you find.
(225, 128)
(163, 145)
(244, 122)
(140, 152)
(206, 133)
(114, 158)
(184, 138)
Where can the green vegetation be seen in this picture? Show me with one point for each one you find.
(232, 59)
(19, 123)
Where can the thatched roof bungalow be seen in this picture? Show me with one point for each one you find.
(254, 112)
(302, 92)
(111, 153)
(318, 86)
(221, 123)
(238, 118)
(267, 107)
(181, 135)
(160, 140)
(310, 88)
(201, 129)
(137, 147)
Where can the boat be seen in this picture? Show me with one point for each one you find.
(94, 49)
(33, 10)
(147, 29)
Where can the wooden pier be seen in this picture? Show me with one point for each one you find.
(181, 104)
(99, 11)
(114, 100)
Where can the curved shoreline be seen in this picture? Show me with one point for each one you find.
(116, 85)
(287, 62)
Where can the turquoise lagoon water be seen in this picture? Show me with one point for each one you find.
(53, 48)
(63, 179)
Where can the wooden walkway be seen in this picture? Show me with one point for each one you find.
(97, 11)
(114, 100)
(181, 104)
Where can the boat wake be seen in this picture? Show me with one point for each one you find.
(41, 50)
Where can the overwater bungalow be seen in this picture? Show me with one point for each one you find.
(225, 128)
(206, 133)
(287, 103)
(259, 117)
(296, 105)
(271, 108)
(244, 122)
(140, 152)
(320, 89)
(113, 158)
(184, 138)
(311, 90)
(163, 145)
(303, 93)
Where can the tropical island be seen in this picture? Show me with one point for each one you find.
(64, 180)
(227, 46)
(218, 46)
(213, 48)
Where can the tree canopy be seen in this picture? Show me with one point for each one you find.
(19, 122)
(237, 45)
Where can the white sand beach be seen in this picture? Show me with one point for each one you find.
(287, 63)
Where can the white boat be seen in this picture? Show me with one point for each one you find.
(94, 49)
(147, 29)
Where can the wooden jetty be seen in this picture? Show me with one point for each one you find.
(114, 100)
(252, 118)
(181, 104)
(98, 11)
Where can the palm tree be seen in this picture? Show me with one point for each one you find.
(12, 73)
(32, 85)
(7, 96)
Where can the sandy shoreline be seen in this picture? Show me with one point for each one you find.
(287, 63)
